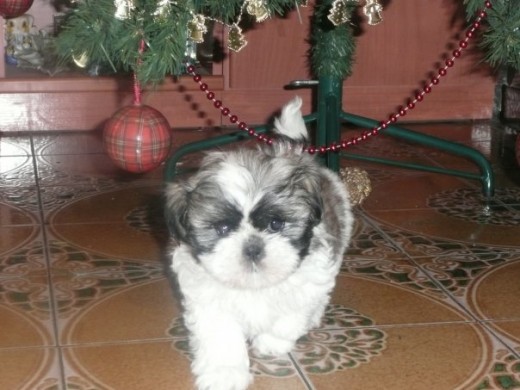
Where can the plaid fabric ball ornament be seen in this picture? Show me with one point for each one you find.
(137, 138)
(14, 8)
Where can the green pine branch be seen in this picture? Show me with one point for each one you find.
(332, 47)
(91, 30)
(501, 38)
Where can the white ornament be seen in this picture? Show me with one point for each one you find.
(123, 9)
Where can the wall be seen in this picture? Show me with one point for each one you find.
(393, 59)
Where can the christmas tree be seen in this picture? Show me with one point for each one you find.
(501, 38)
(111, 31)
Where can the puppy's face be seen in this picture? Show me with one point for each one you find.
(248, 218)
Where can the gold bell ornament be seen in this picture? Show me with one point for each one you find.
(373, 11)
(197, 28)
(357, 182)
(258, 9)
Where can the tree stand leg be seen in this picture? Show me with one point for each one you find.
(329, 117)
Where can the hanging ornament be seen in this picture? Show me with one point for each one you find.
(258, 9)
(162, 8)
(197, 28)
(357, 182)
(338, 13)
(137, 137)
(14, 8)
(236, 40)
(373, 11)
(124, 9)
(81, 60)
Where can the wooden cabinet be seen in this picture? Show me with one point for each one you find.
(393, 59)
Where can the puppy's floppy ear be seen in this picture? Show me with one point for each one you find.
(309, 178)
(176, 209)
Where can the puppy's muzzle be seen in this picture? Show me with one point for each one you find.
(254, 249)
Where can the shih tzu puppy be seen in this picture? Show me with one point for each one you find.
(260, 237)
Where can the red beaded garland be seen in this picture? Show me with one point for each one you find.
(401, 111)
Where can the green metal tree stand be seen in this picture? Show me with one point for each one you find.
(329, 118)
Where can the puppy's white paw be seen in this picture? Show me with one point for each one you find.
(269, 345)
(224, 378)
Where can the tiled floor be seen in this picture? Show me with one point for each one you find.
(428, 297)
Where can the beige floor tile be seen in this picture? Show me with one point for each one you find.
(21, 329)
(384, 303)
(509, 331)
(26, 311)
(135, 311)
(12, 216)
(409, 191)
(133, 366)
(432, 224)
(30, 369)
(104, 239)
(495, 293)
(447, 357)
(110, 206)
(16, 236)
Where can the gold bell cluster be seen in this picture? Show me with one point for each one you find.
(339, 13)
(258, 9)
(236, 41)
(197, 28)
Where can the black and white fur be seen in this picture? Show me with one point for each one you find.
(261, 234)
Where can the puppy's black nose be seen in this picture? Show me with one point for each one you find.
(254, 249)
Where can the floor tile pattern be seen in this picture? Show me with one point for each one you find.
(427, 298)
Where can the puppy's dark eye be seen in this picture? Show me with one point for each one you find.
(276, 224)
(222, 228)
